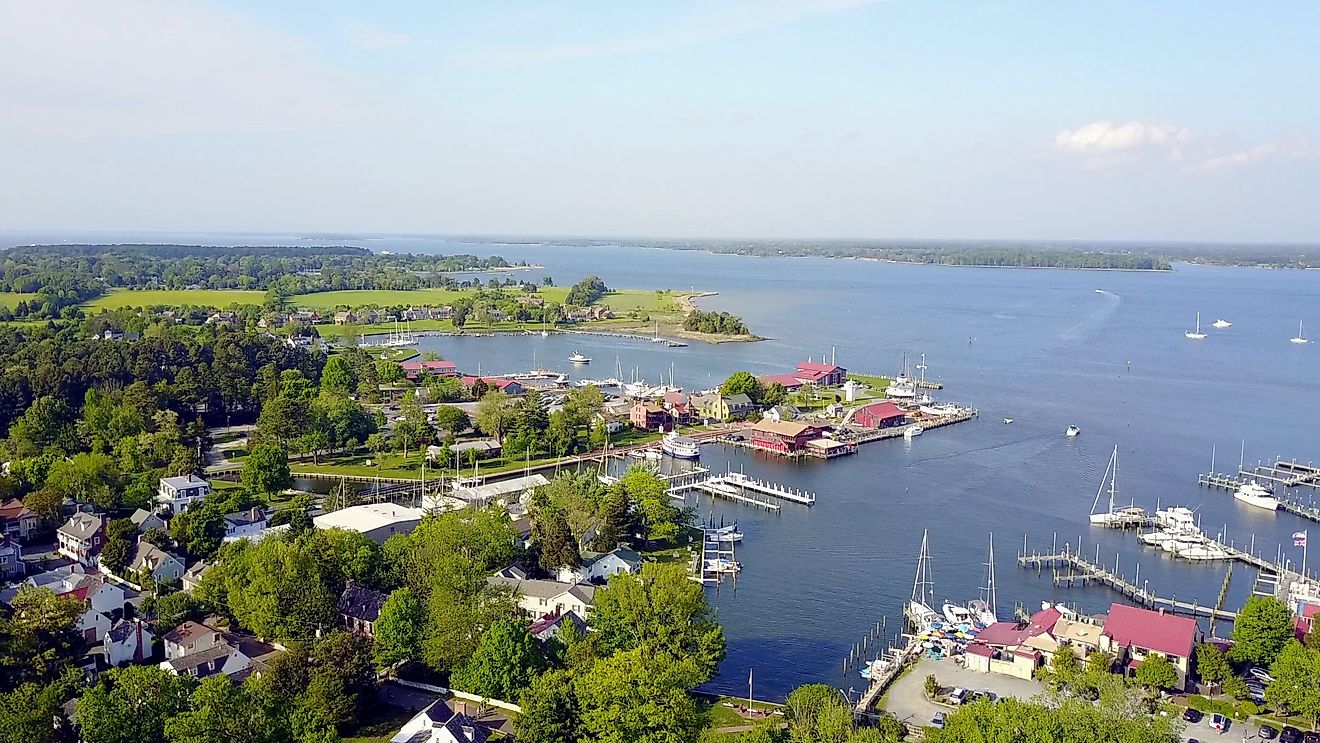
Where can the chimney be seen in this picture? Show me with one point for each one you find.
(256, 513)
(469, 732)
(1161, 611)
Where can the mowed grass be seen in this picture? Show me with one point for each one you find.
(626, 300)
(11, 299)
(390, 298)
(218, 298)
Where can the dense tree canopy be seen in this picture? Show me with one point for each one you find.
(1261, 630)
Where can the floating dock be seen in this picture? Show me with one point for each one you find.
(714, 561)
(718, 488)
(1286, 472)
(741, 481)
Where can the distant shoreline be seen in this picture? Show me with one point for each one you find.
(1170, 269)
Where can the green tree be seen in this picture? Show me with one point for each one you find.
(1211, 665)
(806, 704)
(550, 710)
(659, 518)
(1237, 688)
(45, 502)
(221, 711)
(506, 661)
(614, 520)
(174, 609)
(120, 536)
(337, 376)
(637, 696)
(743, 383)
(266, 470)
(1296, 671)
(38, 638)
(931, 686)
(659, 610)
(26, 712)
(1157, 672)
(1124, 719)
(551, 536)
(86, 478)
(131, 705)
(398, 630)
(1261, 630)
(495, 414)
(452, 419)
(775, 394)
(1099, 662)
(1065, 662)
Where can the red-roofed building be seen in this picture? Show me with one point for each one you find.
(447, 368)
(1043, 621)
(507, 386)
(1132, 634)
(880, 415)
(790, 382)
(823, 374)
(784, 437)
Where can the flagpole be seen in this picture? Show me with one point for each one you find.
(749, 690)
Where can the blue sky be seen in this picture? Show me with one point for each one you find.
(774, 118)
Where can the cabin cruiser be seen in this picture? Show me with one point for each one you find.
(956, 614)
(921, 614)
(1072, 432)
(726, 534)
(578, 358)
(680, 447)
(913, 431)
(1174, 523)
(1255, 494)
(722, 565)
(1200, 550)
(940, 411)
(1221, 323)
(981, 612)
(901, 387)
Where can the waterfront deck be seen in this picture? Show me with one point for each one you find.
(1083, 571)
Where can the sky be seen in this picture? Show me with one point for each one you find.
(1142, 121)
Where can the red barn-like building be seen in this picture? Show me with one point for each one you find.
(880, 415)
(785, 437)
(825, 375)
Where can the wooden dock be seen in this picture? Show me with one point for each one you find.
(1217, 481)
(717, 487)
(743, 482)
(1083, 571)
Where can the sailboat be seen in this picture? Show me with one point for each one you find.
(1301, 334)
(1196, 335)
(984, 609)
(1113, 517)
(918, 609)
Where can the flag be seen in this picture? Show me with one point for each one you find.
(1299, 539)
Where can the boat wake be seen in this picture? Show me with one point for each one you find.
(965, 452)
(1096, 320)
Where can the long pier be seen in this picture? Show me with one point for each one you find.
(1084, 571)
(1286, 472)
(718, 488)
(739, 480)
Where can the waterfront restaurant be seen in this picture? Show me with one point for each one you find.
(784, 437)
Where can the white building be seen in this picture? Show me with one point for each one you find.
(149, 558)
(378, 521)
(541, 597)
(504, 490)
(180, 493)
(439, 723)
(250, 524)
(127, 642)
(599, 567)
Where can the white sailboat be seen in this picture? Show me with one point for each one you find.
(1301, 334)
(918, 608)
(1221, 323)
(1196, 335)
(1112, 517)
(983, 609)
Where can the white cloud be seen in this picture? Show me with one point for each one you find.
(738, 21)
(78, 70)
(1102, 138)
(1295, 149)
(366, 36)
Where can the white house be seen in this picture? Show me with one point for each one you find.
(189, 637)
(599, 567)
(378, 521)
(146, 521)
(93, 625)
(147, 557)
(180, 493)
(250, 524)
(541, 597)
(192, 577)
(81, 538)
(127, 642)
(223, 657)
(439, 723)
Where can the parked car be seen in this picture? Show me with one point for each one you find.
(1192, 715)
(1290, 734)
(1311, 737)
(1219, 722)
(1262, 674)
(938, 720)
(1268, 733)
(958, 696)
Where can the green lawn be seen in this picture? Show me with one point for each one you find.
(877, 383)
(384, 722)
(626, 300)
(121, 298)
(11, 299)
(719, 716)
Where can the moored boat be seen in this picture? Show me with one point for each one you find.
(578, 358)
(680, 447)
(1255, 494)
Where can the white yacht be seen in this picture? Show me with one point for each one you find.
(578, 358)
(1196, 335)
(1116, 517)
(1173, 523)
(1072, 432)
(941, 411)
(913, 431)
(1221, 323)
(1301, 334)
(1255, 494)
(956, 614)
(981, 612)
(901, 388)
(680, 447)
(1201, 551)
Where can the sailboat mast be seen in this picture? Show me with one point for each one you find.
(991, 596)
(1113, 479)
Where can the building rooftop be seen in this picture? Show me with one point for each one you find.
(503, 488)
(1078, 632)
(187, 632)
(14, 509)
(362, 603)
(546, 589)
(1152, 630)
(814, 367)
(81, 525)
(185, 481)
(368, 517)
(783, 428)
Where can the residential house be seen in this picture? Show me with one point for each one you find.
(249, 524)
(127, 642)
(146, 521)
(649, 417)
(439, 723)
(192, 577)
(92, 625)
(507, 386)
(180, 493)
(359, 608)
(100, 594)
(223, 657)
(81, 538)
(784, 437)
(441, 367)
(717, 407)
(598, 567)
(546, 628)
(612, 424)
(17, 520)
(188, 638)
(147, 558)
(225, 319)
(541, 597)
(781, 413)
(679, 405)
(825, 375)
(11, 558)
(1132, 634)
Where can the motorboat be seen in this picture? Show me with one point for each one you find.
(981, 612)
(1072, 432)
(1301, 334)
(902, 387)
(725, 534)
(920, 614)
(1008, 421)
(722, 565)
(1255, 494)
(545, 334)
(940, 411)
(1221, 323)
(913, 431)
(680, 447)
(1201, 550)
(578, 358)
(956, 614)
(1196, 335)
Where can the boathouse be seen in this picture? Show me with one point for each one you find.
(825, 375)
(790, 382)
(785, 437)
(880, 415)
(1132, 634)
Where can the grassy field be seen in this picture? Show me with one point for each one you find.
(719, 716)
(626, 300)
(384, 723)
(219, 298)
(11, 299)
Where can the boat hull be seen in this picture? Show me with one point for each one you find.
(1267, 502)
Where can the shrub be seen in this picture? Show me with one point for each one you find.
(932, 686)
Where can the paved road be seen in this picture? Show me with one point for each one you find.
(907, 697)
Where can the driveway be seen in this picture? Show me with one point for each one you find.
(907, 697)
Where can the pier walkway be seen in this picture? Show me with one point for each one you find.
(1084, 571)
(718, 488)
(739, 480)
(1217, 481)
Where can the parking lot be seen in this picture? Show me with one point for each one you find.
(907, 697)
